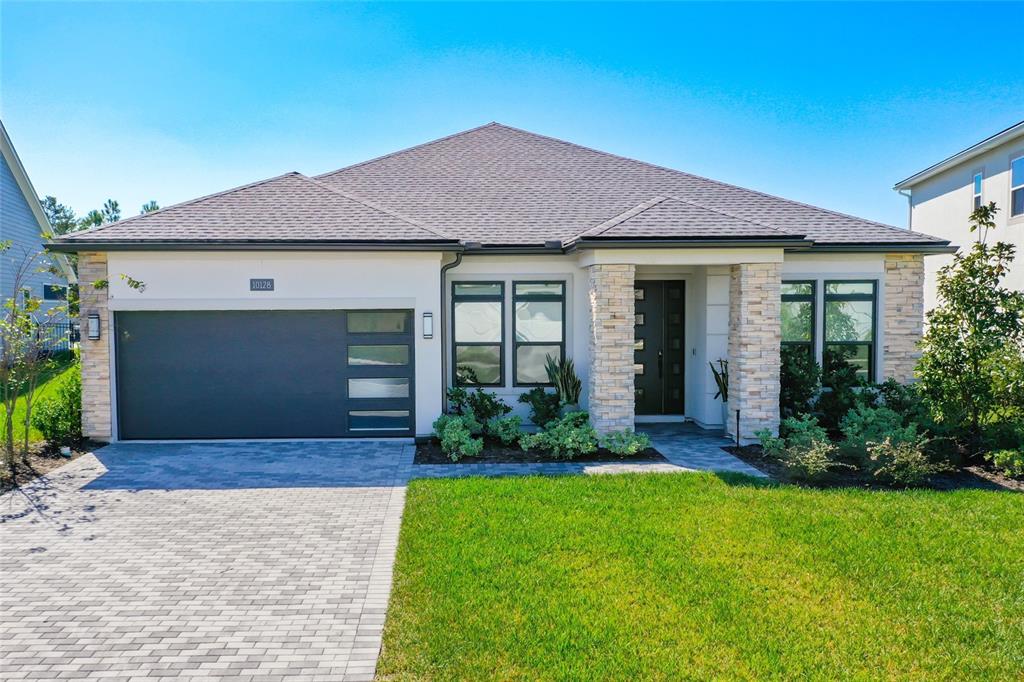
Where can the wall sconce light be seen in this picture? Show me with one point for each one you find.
(428, 325)
(94, 326)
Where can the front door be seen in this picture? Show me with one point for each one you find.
(658, 346)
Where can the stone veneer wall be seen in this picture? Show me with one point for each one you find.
(610, 389)
(95, 354)
(755, 336)
(904, 315)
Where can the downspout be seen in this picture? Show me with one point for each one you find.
(444, 332)
(910, 207)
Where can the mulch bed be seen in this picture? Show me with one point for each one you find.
(494, 452)
(977, 477)
(39, 462)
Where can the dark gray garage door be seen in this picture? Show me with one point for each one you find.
(264, 374)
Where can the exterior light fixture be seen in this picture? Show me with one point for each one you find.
(94, 326)
(428, 325)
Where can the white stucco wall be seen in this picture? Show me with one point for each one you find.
(941, 206)
(302, 281)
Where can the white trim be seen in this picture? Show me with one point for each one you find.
(985, 145)
(710, 256)
(260, 304)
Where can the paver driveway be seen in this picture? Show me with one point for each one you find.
(257, 561)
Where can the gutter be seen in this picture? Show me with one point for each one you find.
(786, 242)
(943, 247)
(443, 331)
(75, 246)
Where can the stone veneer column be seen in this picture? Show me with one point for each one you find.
(755, 336)
(610, 389)
(904, 315)
(95, 354)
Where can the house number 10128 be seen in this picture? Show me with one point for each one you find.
(261, 285)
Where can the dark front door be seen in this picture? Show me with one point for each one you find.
(659, 346)
(264, 374)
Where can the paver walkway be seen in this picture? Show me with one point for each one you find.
(244, 561)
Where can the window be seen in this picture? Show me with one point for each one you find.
(54, 292)
(478, 313)
(978, 178)
(539, 321)
(850, 326)
(1017, 186)
(798, 315)
(378, 322)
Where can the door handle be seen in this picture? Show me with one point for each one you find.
(659, 364)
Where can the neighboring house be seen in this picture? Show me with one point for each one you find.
(23, 223)
(942, 198)
(344, 304)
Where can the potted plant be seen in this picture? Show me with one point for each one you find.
(721, 374)
(562, 373)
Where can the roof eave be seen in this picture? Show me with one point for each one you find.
(961, 156)
(882, 247)
(790, 243)
(77, 246)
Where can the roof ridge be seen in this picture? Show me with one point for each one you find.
(620, 218)
(366, 202)
(701, 177)
(99, 228)
(407, 149)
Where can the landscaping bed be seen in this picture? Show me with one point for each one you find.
(976, 477)
(41, 461)
(495, 452)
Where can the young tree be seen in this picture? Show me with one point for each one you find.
(111, 211)
(62, 218)
(973, 336)
(149, 207)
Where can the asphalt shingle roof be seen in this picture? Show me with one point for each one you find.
(498, 186)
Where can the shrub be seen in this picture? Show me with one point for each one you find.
(863, 425)
(565, 438)
(843, 386)
(544, 406)
(801, 431)
(562, 373)
(1009, 462)
(625, 442)
(903, 463)
(484, 404)
(772, 445)
(59, 417)
(812, 461)
(506, 429)
(455, 432)
(800, 381)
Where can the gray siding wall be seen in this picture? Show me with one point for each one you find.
(18, 225)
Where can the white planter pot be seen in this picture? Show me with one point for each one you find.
(725, 415)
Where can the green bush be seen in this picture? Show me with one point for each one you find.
(801, 431)
(812, 461)
(903, 463)
(863, 425)
(455, 432)
(772, 445)
(800, 381)
(843, 390)
(1009, 462)
(544, 406)
(566, 438)
(506, 429)
(59, 417)
(625, 442)
(484, 405)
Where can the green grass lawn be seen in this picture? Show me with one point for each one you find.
(47, 386)
(694, 576)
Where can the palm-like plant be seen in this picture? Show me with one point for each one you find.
(562, 373)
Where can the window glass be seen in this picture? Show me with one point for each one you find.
(377, 321)
(54, 292)
(849, 327)
(477, 321)
(797, 321)
(539, 288)
(380, 387)
(797, 289)
(858, 355)
(539, 321)
(378, 420)
(478, 289)
(1017, 187)
(531, 361)
(849, 288)
(849, 320)
(378, 355)
(478, 365)
(1017, 172)
(538, 329)
(977, 183)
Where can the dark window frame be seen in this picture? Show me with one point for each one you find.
(812, 298)
(516, 343)
(873, 298)
(500, 300)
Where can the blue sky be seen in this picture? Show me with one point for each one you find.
(824, 103)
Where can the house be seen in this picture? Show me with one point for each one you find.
(344, 304)
(23, 224)
(943, 196)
